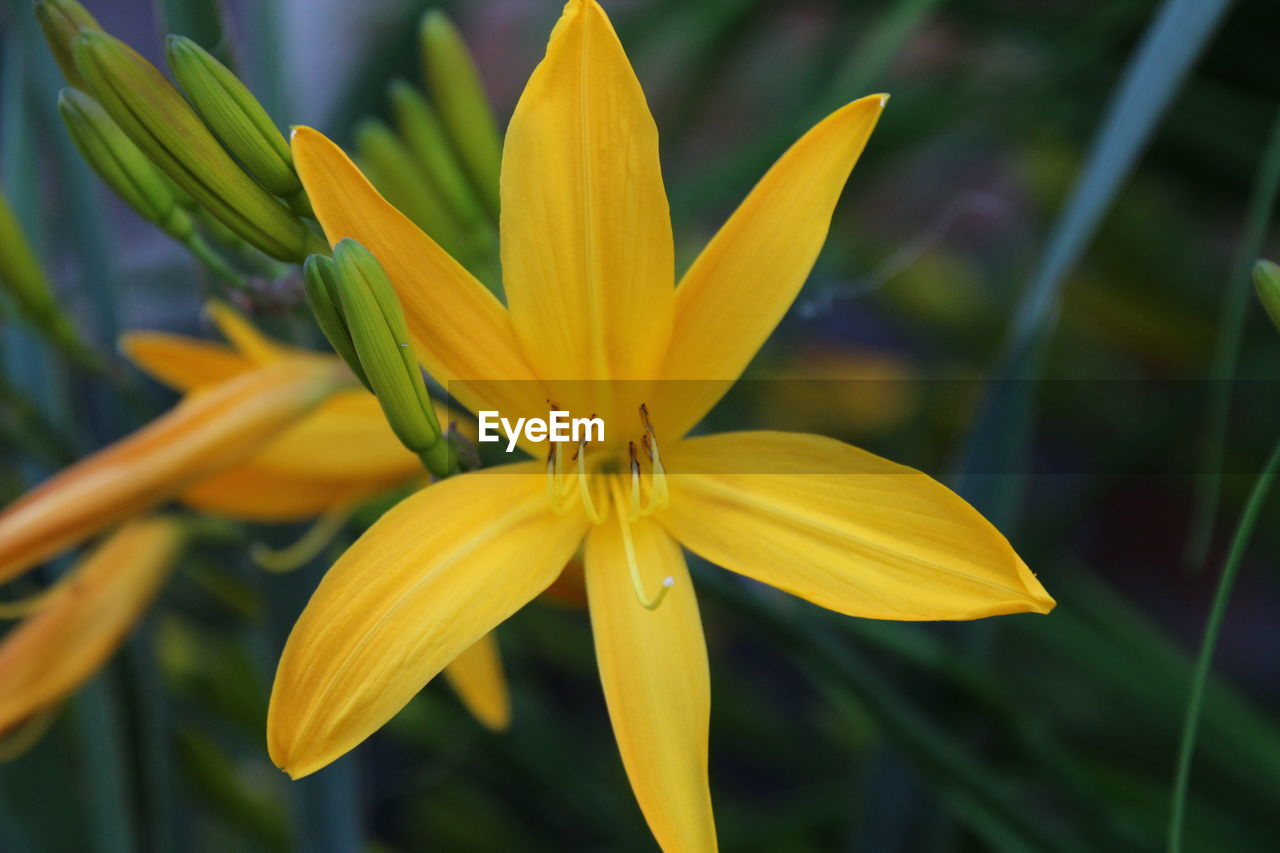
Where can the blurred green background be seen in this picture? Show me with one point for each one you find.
(1059, 190)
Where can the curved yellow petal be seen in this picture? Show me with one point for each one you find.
(586, 235)
(49, 655)
(476, 675)
(746, 278)
(460, 331)
(245, 337)
(182, 363)
(653, 664)
(842, 528)
(427, 581)
(206, 433)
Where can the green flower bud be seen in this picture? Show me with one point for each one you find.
(121, 164)
(62, 21)
(161, 123)
(375, 321)
(1266, 280)
(399, 177)
(29, 291)
(234, 115)
(425, 137)
(320, 277)
(456, 89)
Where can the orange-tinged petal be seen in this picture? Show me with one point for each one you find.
(426, 582)
(48, 656)
(352, 422)
(182, 363)
(252, 493)
(586, 235)
(206, 433)
(842, 528)
(245, 337)
(653, 664)
(460, 331)
(476, 675)
(746, 278)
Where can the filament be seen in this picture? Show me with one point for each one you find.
(633, 565)
(309, 545)
(584, 487)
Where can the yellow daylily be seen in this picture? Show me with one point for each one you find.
(265, 433)
(596, 323)
(85, 618)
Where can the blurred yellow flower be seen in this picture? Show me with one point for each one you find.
(594, 321)
(265, 432)
(84, 619)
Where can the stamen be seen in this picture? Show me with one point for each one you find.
(659, 493)
(308, 546)
(585, 488)
(635, 480)
(633, 564)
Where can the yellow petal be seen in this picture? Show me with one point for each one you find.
(52, 653)
(477, 676)
(586, 235)
(206, 433)
(352, 421)
(460, 331)
(182, 363)
(842, 528)
(245, 337)
(746, 278)
(427, 581)
(252, 493)
(653, 664)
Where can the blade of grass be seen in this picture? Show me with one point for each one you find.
(1000, 438)
(1235, 301)
(1217, 613)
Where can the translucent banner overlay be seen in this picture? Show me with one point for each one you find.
(1082, 427)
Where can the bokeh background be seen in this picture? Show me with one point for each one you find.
(1012, 164)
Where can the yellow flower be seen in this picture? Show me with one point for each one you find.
(265, 433)
(587, 258)
(84, 620)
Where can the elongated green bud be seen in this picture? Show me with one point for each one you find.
(426, 139)
(161, 123)
(234, 115)
(62, 21)
(320, 277)
(1266, 280)
(456, 89)
(121, 164)
(375, 321)
(401, 179)
(24, 280)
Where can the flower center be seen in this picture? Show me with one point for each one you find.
(598, 486)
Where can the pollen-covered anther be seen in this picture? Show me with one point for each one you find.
(659, 495)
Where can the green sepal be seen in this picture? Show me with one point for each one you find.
(375, 320)
(1266, 281)
(320, 278)
(121, 164)
(166, 128)
(234, 115)
(455, 86)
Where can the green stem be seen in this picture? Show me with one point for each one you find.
(1262, 202)
(1217, 613)
(204, 253)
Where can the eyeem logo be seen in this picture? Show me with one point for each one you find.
(558, 427)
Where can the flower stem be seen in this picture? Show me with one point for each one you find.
(1262, 203)
(204, 253)
(1217, 613)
